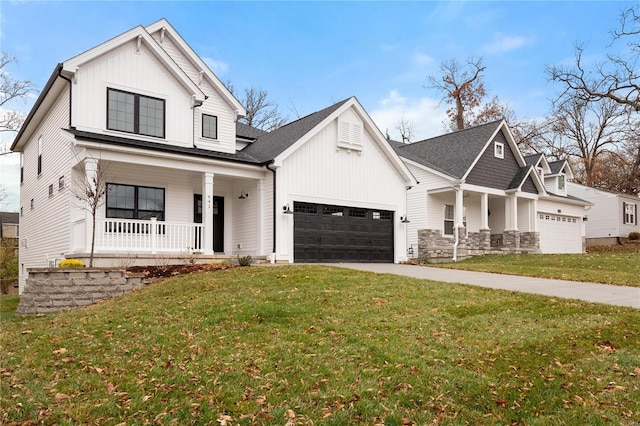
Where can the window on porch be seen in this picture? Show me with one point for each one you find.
(135, 202)
(448, 219)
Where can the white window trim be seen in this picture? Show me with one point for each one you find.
(498, 150)
(562, 178)
(630, 210)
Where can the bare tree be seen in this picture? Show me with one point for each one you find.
(91, 189)
(462, 86)
(11, 90)
(406, 128)
(585, 130)
(618, 78)
(262, 112)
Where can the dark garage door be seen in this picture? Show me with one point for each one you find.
(324, 233)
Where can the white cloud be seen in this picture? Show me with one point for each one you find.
(422, 59)
(424, 112)
(503, 43)
(218, 67)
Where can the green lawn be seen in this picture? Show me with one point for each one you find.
(608, 267)
(323, 346)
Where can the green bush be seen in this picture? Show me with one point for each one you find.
(71, 263)
(244, 260)
(634, 236)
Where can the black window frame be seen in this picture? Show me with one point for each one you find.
(135, 210)
(136, 113)
(216, 126)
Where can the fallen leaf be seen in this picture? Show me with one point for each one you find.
(60, 395)
(291, 414)
(60, 351)
(27, 332)
(146, 398)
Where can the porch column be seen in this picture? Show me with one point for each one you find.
(91, 175)
(533, 205)
(511, 213)
(207, 213)
(484, 211)
(459, 213)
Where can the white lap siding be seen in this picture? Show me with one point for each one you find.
(44, 235)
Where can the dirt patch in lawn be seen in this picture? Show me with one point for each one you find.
(166, 271)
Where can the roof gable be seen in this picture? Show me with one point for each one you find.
(162, 30)
(561, 166)
(143, 40)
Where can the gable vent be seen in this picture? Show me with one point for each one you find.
(349, 135)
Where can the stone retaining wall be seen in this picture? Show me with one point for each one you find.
(56, 289)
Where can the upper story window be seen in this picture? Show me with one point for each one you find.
(135, 202)
(630, 213)
(498, 149)
(21, 167)
(134, 113)
(209, 126)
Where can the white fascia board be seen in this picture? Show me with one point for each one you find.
(196, 60)
(168, 160)
(72, 65)
(560, 199)
(483, 190)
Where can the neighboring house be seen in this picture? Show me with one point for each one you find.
(185, 179)
(477, 182)
(612, 216)
(9, 225)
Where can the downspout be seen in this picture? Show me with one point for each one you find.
(273, 257)
(70, 92)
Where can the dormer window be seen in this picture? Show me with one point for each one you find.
(498, 149)
(540, 171)
(134, 113)
(561, 183)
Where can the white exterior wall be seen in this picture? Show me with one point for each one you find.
(137, 72)
(319, 172)
(214, 105)
(43, 229)
(552, 207)
(424, 211)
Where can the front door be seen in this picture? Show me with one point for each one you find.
(218, 219)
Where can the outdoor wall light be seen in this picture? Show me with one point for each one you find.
(243, 195)
(286, 209)
(404, 219)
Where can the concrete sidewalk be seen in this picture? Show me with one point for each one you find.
(590, 292)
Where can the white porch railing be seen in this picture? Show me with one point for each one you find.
(128, 235)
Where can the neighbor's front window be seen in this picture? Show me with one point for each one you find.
(134, 113)
(448, 219)
(630, 212)
(135, 202)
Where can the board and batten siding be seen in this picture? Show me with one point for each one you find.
(320, 172)
(214, 104)
(137, 72)
(43, 236)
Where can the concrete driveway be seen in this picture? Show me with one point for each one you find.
(590, 292)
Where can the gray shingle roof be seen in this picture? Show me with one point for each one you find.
(453, 153)
(9, 217)
(269, 145)
(248, 132)
(520, 177)
(556, 166)
(532, 160)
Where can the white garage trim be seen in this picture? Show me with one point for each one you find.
(560, 233)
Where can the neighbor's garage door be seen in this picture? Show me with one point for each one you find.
(560, 234)
(325, 233)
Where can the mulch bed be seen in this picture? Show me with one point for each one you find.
(166, 271)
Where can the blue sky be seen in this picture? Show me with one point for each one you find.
(308, 55)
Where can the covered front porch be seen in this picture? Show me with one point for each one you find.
(465, 221)
(169, 212)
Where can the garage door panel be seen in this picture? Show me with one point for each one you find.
(325, 233)
(559, 234)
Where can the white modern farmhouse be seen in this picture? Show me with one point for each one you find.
(144, 112)
(477, 194)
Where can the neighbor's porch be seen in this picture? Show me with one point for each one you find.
(154, 214)
(466, 222)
